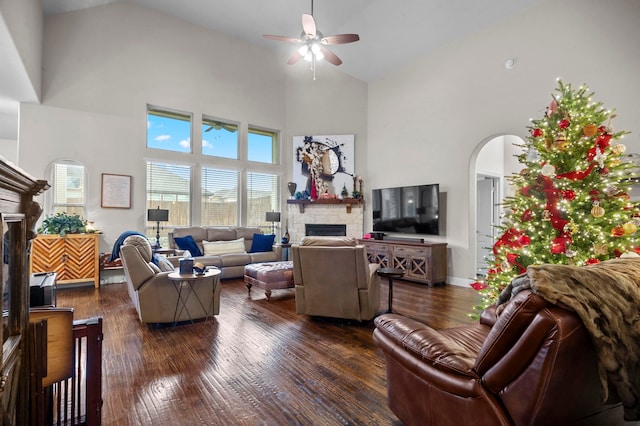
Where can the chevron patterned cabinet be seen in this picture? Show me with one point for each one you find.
(73, 257)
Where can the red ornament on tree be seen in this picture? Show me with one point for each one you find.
(478, 285)
(569, 194)
(592, 261)
(536, 133)
(617, 231)
(563, 124)
(524, 240)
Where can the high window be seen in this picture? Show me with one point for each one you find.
(219, 138)
(262, 146)
(168, 130)
(68, 189)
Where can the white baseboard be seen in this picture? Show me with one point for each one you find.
(461, 282)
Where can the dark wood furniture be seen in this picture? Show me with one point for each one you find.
(18, 215)
(424, 262)
(390, 274)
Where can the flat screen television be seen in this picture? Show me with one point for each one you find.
(407, 209)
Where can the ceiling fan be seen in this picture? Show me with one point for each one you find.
(312, 43)
(217, 125)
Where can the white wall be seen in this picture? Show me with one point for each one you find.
(103, 65)
(426, 121)
(9, 150)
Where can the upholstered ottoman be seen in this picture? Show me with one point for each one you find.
(269, 276)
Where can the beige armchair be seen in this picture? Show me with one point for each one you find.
(154, 296)
(333, 278)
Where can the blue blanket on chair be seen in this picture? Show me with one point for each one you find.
(115, 252)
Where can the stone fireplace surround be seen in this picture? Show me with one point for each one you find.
(324, 214)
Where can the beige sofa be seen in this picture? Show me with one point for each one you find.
(231, 264)
(333, 278)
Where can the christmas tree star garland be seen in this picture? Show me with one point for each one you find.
(571, 205)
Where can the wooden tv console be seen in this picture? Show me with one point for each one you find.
(424, 262)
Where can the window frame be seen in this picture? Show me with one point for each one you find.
(52, 206)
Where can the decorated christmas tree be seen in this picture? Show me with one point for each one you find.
(571, 204)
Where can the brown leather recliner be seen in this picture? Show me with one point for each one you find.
(534, 364)
(333, 278)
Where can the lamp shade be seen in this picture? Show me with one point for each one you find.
(157, 215)
(272, 217)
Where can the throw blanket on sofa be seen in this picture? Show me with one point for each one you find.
(606, 296)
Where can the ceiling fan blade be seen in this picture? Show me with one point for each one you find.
(309, 25)
(294, 58)
(282, 38)
(340, 39)
(330, 56)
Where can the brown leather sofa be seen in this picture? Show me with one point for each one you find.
(333, 278)
(154, 296)
(534, 364)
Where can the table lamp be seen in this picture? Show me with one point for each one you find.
(157, 215)
(272, 217)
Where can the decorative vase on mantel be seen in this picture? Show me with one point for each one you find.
(291, 186)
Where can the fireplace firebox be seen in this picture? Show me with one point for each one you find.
(324, 230)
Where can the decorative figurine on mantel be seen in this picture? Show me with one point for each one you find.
(344, 192)
(357, 194)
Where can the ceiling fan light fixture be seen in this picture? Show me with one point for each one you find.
(308, 56)
(303, 50)
(315, 48)
(319, 56)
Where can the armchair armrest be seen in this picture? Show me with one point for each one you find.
(442, 351)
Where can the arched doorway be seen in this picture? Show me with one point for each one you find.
(493, 159)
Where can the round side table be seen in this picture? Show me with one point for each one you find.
(190, 280)
(390, 274)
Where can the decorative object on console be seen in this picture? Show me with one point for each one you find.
(327, 161)
(158, 215)
(272, 217)
(63, 223)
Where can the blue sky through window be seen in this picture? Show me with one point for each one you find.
(166, 133)
(172, 132)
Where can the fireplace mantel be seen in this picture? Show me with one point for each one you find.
(348, 202)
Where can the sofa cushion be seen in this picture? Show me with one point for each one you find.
(262, 242)
(235, 259)
(197, 232)
(215, 248)
(188, 243)
(220, 234)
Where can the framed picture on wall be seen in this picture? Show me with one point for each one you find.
(116, 191)
(326, 158)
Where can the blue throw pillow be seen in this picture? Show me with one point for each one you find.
(262, 242)
(188, 243)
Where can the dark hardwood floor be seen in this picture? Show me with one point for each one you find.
(257, 363)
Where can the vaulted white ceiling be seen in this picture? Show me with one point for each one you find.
(392, 32)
